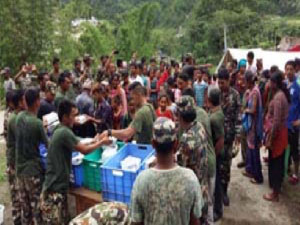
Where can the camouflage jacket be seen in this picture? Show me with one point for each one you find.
(108, 213)
(7, 114)
(231, 103)
(192, 150)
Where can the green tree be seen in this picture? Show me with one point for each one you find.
(26, 31)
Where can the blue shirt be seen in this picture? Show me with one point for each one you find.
(294, 110)
(85, 103)
(199, 89)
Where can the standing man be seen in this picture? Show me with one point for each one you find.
(47, 104)
(203, 118)
(216, 118)
(141, 126)
(251, 65)
(84, 101)
(167, 193)
(43, 78)
(54, 75)
(134, 77)
(76, 76)
(56, 186)
(293, 117)
(8, 83)
(30, 134)
(64, 83)
(230, 103)
(193, 145)
(19, 105)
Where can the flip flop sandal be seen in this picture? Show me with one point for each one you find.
(270, 198)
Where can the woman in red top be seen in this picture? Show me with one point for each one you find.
(277, 134)
(162, 110)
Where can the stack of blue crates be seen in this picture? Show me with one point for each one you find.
(76, 176)
(117, 183)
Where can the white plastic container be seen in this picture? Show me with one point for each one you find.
(2, 214)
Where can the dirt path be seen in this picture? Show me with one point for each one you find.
(247, 206)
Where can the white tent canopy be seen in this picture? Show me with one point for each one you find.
(269, 58)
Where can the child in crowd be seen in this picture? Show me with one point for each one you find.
(162, 110)
(116, 105)
(153, 82)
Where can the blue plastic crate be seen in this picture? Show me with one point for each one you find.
(76, 176)
(117, 183)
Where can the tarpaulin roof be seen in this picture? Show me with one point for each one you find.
(269, 58)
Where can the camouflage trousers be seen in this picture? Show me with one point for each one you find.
(225, 166)
(15, 195)
(54, 207)
(30, 191)
(108, 213)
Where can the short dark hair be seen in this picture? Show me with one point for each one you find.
(290, 63)
(117, 99)
(119, 63)
(189, 92)
(31, 96)
(188, 116)
(223, 74)
(137, 88)
(205, 71)
(165, 148)
(140, 66)
(184, 77)
(41, 75)
(152, 60)
(133, 64)
(250, 55)
(214, 96)
(124, 73)
(65, 108)
(134, 85)
(76, 62)
(62, 77)
(115, 75)
(274, 69)
(162, 95)
(17, 97)
(55, 60)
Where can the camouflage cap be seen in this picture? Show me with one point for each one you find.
(185, 104)
(51, 87)
(164, 130)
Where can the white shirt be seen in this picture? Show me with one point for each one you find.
(136, 79)
(9, 85)
(252, 68)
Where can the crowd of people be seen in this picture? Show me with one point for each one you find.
(196, 121)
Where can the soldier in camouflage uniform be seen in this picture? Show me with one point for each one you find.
(8, 112)
(106, 213)
(230, 103)
(29, 135)
(19, 105)
(193, 146)
(167, 194)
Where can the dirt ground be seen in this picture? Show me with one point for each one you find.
(246, 204)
